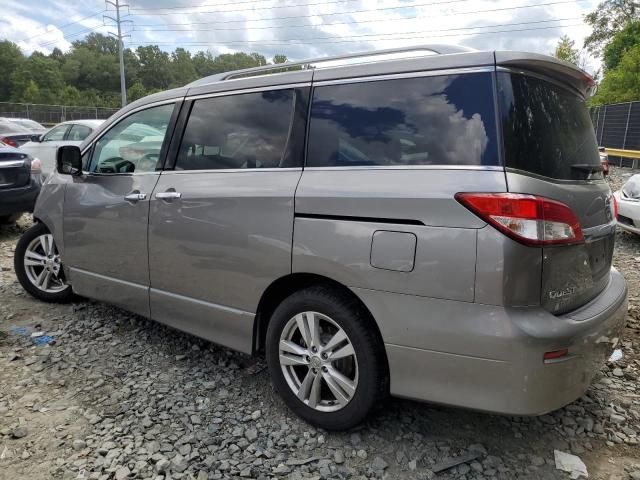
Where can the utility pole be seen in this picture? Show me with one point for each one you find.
(117, 5)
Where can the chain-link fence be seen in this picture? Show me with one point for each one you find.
(618, 126)
(52, 114)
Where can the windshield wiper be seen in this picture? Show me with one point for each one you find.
(587, 167)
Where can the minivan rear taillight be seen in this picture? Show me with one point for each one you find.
(528, 219)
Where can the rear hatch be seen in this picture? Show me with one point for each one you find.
(550, 150)
(15, 169)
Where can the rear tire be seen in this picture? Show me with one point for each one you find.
(38, 267)
(331, 375)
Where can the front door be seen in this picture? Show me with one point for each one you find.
(221, 222)
(106, 211)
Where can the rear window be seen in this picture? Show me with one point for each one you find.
(547, 129)
(441, 120)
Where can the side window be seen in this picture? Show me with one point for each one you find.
(237, 131)
(134, 143)
(443, 120)
(78, 133)
(56, 134)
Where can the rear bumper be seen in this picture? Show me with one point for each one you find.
(491, 358)
(22, 199)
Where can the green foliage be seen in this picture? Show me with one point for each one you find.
(89, 73)
(565, 50)
(136, 91)
(609, 18)
(628, 37)
(155, 67)
(10, 58)
(42, 71)
(621, 84)
(279, 59)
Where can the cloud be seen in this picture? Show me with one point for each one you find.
(309, 28)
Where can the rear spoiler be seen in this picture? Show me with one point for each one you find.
(552, 67)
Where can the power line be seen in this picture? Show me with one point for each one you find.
(399, 33)
(60, 27)
(73, 35)
(181, 7)
(245, 20)
(273, 7)
(303, 41)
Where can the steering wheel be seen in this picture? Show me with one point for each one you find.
(116, 165)
(148, 162)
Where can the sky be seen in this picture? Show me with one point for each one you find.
(302, 28)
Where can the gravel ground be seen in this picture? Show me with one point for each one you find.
(115, 396)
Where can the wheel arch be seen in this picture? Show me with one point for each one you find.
(289, 284)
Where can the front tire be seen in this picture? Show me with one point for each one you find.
(325, 358)
(38, 266)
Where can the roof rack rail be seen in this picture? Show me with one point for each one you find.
(440, 49)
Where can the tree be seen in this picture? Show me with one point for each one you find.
(31, 93)
(136, 91)
(98, 43)
(155, 67)
(10, 58)
(622, 83)
(628, 37)
(237, 61)
(203, 63)
(279, 58)
(88, 74)
(44, 72)
(609, 18)
(183, 70)
(565, 50)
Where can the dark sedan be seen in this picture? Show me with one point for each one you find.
(20, 181)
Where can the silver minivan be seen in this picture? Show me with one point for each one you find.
(435, 228)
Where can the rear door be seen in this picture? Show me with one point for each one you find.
(221, 220)
(550, 150)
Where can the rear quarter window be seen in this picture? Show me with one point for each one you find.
(547, 129)
(440, 120)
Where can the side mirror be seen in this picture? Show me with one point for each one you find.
(36, 138)
(69, 160)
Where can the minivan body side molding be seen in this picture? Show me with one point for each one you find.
(348, 218)
(220, 324)
(128, 295)
(492, 168)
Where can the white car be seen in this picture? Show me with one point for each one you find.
(628, 198)
(66, 133)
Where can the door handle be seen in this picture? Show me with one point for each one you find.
(168, 195)
(135, 196)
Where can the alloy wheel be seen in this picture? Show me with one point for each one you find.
(318, 361)
(43, 266)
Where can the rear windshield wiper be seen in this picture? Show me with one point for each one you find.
(587, 167)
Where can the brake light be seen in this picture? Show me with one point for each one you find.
(8, 141)
(36, 165)
(528, 219)
(615, 207)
